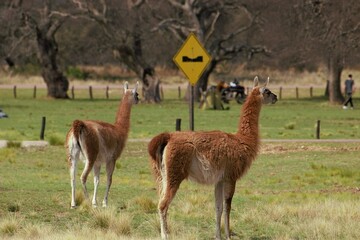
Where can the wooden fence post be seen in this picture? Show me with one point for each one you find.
(318, 129)
(161, 92)
(72, 92)
(107, 92)
(90, 92)
(179, 92)
(311, 92)
(34, 95)
(280, 93)
(14, 91)
(297, 92)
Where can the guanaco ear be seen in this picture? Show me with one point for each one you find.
(267, 82)
(256, 81)
(126, 86)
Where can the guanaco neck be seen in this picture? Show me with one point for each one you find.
(122, 120)
(249, 121)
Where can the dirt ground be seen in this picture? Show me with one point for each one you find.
(273, 148)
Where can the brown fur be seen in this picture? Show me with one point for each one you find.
(211, 157)
(99, 142)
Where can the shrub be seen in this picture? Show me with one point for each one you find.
(290, 126)
(13, 144)
(77, 73)
(14, 207)
(145, 204)
(56, 140)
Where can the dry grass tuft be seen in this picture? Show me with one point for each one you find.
(151, 225)
(106, 219)
(315, 220)
(10, 225)
(177, 230)
(36, 231)
(122, 225)
(145, 204)
(79, 198)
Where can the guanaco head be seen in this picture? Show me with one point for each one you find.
(267, 96)
(134, 96)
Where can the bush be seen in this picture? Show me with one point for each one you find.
(77, 73)
(56, 140)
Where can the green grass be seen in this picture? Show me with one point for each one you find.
(292, 191)
(288, 118)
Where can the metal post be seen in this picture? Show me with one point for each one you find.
(178, 124)
(191, 108)
(318, 129)
(42, 132)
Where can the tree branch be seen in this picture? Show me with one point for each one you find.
(176, 4)
(17, 43)
(54, 27)
(178, 28)
(242, 29)
(135, 3)
(211, 29)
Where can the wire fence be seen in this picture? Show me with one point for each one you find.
(115, 92)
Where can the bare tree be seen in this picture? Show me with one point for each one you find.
(10, 27)
(38, 23)
(123, 25)
(221, 26)
(330, 33)
(45, 29)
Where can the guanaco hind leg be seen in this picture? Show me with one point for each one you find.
(97, 168)
(74, 154)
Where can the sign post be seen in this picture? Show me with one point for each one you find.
(191, 108)
(192, 59)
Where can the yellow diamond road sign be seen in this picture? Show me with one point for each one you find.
(192, 58)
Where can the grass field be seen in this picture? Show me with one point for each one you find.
(293, 190)
(288, 118)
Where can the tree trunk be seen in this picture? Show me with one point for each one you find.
(151, 86)
(57, 84)
(335, 69)
(202, 82)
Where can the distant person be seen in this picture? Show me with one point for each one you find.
(349, 89)
(234, 83)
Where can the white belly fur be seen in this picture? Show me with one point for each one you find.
(202, 172)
